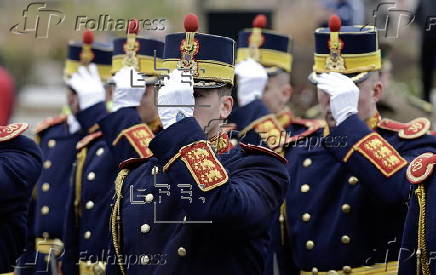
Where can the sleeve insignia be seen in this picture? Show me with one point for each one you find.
(312, 126)
(269, 130)
(203, 165)
(380, 153)
(264, 150)
(87, 140)
(12, 130)
(49, 122)
(421, 167)
(139, 137)
(416, 128)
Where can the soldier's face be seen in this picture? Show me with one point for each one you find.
(148, 110)
(211, 109)
(370, 92)
(277, 92)
(73, 101)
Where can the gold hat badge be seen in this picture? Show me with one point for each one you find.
(335, 63)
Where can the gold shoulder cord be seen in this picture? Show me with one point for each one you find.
(422, 263)
(116, 217)
(81, 157)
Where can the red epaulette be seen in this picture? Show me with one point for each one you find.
(415, 128)
(87, 139)
(312, 126)
(132, 162)
(12, 130)
(49, 122)
(256, 149)
(421, 167)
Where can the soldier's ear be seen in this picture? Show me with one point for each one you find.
(226, 106)
(377, 90)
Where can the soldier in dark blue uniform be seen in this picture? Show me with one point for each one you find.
(86, 220)
(418, 245)
(20, 167)
(266, 91)
(57, 138)
(350, 218)
(207, 212)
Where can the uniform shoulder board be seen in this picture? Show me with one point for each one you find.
(12, 130)
(312, 126)
(421, 167)
(413, 129)
(256, 149)
(50, 122)
(88, 139)
(132, 162)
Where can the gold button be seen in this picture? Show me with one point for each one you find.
(305, 188)
(346, 208)
(353, 180)
(345, 239)
(185, 218)
(281, 218)
(310, 245)
(314, 271)
(155, 170)
(87, 235)
(307, 162)
(45, 235)
(45, 187)
(51, 143)
(346, 269)
(145, 228)
(144, 260)
(91, 176)
(332, 272)
(306, 217)
(45, 210)
(100, 151)
(47, 164)
(149, 197)
(181, 251)
(89, 205)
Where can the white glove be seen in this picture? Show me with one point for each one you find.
(344, 95)
(87, 83)
(124, 94)
(175, 92)
(252, 78)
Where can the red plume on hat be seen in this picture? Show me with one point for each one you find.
(260, 21)
(133, 27)
(335, 23)
(88, 37)
(191, 22)
(86, 56)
